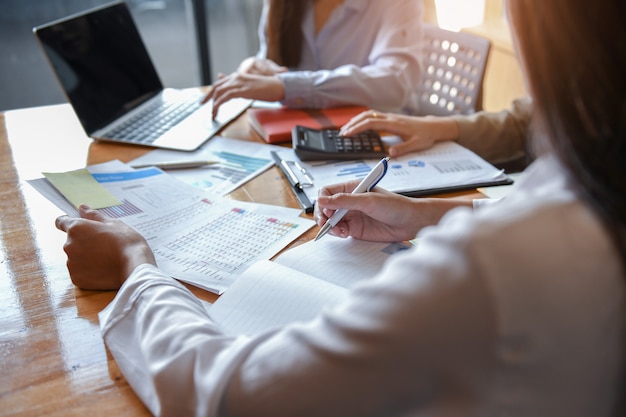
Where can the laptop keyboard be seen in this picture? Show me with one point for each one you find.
(148, 125)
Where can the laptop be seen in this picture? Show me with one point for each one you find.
(105, 71)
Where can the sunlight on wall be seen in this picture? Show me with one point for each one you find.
(457, 14)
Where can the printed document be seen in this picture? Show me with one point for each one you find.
(238, 162)
(198, 237)
(447, 166)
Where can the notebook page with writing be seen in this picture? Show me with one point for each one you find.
(269, 295)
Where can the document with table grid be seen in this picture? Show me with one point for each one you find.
(198, 237)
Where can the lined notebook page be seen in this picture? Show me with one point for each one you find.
(268, 295)
(298, 283)
(340, 261)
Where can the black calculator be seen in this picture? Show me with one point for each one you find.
(326, 144)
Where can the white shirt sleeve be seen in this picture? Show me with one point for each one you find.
(488, 303)
(167, 347)
(483, 202)
(179, 363)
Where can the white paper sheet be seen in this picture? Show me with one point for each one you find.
(239, 162)
(197, 237)
(444, 166)
(299, 283)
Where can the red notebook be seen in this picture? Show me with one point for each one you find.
(275, 125)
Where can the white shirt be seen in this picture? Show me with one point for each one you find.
(514, 309)
(368, 53)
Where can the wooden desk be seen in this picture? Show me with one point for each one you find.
(53, 359)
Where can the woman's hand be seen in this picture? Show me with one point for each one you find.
(101, 252)
(243, 85)
(259, 66)
(417, 133)
(379, 215)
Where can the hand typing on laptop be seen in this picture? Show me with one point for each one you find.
(245, 85)
(137, 109)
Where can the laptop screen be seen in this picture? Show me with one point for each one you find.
(101, 62)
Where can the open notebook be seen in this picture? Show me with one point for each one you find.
(299, 283)
(109, 79)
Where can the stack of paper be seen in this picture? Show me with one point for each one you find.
(198, 237)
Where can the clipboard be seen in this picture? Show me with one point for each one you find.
(294, 182)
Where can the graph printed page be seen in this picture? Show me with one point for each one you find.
(238, 162)
(198, 237)
(445, 165)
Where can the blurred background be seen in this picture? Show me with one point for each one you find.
(191, 41)
(171, 29)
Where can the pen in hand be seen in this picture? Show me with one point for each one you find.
(369, 182)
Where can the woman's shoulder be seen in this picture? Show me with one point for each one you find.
(539, 239)
(542, 245)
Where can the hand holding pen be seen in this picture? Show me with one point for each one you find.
(366, 185)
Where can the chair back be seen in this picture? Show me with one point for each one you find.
(454, 70)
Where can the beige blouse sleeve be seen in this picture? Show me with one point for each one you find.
(499, 137)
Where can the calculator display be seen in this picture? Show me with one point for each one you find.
(315, 141)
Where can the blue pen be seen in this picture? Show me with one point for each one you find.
(369, 182)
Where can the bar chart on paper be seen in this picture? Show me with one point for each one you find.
(208, 240)
(232, 170)
(125, 209)
(238, 162)
(198, 237)
(447, 166)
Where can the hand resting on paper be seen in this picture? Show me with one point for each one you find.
(380, 215)
(101, 252)
(417, 132)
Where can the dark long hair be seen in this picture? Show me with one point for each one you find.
(574, 55)
(284, 31)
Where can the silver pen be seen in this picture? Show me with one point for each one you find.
(373, 177)
(176, 164)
